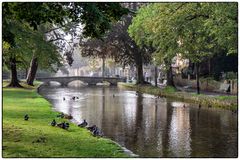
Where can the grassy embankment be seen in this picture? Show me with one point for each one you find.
(36, 138)
(227, 102)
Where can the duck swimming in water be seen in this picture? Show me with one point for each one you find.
(83, 124)
(26, 117)
(73, 98)
(234, 111)
(199, 106)
(64, 98)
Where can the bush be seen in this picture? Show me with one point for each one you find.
(169, 89)
(231, 75)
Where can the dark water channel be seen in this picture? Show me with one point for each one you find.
(149, 126)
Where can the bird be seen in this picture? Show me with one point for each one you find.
(73, 98)
(234, 111)
(97, 132)
(92, 128)
(83, 124)
(53, 123)
(68, 116)
(184, 106)
(64, 98)
(66, 126)
(60, 125)
(61, 115)
(199, 106)
(77, 97)
(63, 125)
(26, 117)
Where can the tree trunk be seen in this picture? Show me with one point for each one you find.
(197, 78)
(26, 72)
(14, 80)
(155, 76)
(140, 79)
(209, 66)
(103, 67)
(32, 71)
(139, 65)
(170, 77)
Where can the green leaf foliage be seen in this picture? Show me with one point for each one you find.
(27, 38)
(96, 17)
(29, 43)
(196, 30)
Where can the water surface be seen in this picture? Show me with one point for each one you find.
(150, 126)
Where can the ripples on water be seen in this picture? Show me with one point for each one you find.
(150, 126)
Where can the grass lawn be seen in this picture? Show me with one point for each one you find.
(36, 138)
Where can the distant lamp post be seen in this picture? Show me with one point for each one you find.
(155, 71)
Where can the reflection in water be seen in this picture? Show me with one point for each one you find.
(149, 126)
(179, 140)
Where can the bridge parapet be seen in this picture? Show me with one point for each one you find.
(90, 80)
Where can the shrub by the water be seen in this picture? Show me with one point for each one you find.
(227, 102)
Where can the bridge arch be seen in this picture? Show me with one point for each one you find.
(76, 83)
(54, 83)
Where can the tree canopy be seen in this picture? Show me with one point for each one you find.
(96, 17)
(29, 43)
(117, 44)
(193, 29)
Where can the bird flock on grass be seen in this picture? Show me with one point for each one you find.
(64, 125)
(93, 129)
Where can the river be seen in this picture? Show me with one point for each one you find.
(150, 126)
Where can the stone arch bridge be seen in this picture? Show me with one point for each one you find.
(90, 80)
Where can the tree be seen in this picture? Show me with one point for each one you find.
(147, 31)
(193, 29)
(94, 64)
(29, 43)
(117, 44)
(199, 34)
(44, 54)
(96, 18)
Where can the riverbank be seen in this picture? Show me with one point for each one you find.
(227, 102)
(36, 138)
